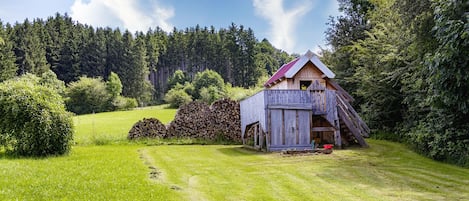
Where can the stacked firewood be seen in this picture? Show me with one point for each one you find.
(220, 121)
(197, 120)
(191, 121)
(151, 128)
(225, 120)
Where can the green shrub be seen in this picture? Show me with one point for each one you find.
(114, 85)
(206, 79)
(210, 94)
(49, 79)
(178, 77)
(88, 95)
(177, 97)
(34, 120)
(240, 93)
(124, 103)
(441, 141)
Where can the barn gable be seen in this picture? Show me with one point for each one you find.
(289, 70)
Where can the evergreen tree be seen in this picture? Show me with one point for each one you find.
(93, 54)
(56, 28)
(114, 50)
(265, 57)
(7, 57)
(134, 70)
(30, 53)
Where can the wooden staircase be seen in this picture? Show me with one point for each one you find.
(351, 121)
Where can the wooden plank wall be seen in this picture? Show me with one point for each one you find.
(290, 128)
(319, 102)
(253, 110)
(304, 126)
(285, 115)
(276, 127)
(287, 97)
(331, 108)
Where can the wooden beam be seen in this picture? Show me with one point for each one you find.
(283, 127)
(291, 106)
(297, 129)
(322, 129)
(352, 128)
(341, 90)
(338, 138)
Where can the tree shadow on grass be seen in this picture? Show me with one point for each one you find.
(239, 151)
(5, 155)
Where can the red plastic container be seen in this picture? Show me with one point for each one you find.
(328, 146)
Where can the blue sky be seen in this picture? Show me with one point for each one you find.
(291, 25)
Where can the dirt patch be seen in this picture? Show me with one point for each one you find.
(154, 173)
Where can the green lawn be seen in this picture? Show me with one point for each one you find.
(103, 128)
(136, 171)
(386, 171)
(87, 173)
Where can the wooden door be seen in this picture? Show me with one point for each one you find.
(276, 126)
(290, 127)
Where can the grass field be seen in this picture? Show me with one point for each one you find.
(107, 127)
(386, 171)
(88, 173)
(135, 171)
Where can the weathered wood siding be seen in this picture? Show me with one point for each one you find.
(276, 126)
(288, 97)
(304, 126)
(253, 110)
(308, 73)
(286, 115)
(289, 128)
(331, 108)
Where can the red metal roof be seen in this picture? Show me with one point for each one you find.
(281, 72)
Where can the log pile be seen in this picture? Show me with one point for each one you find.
(225, 120)
(190, 121)
(196, 120)
(220, 121)
(151, 128)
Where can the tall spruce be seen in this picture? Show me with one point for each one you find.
(29, 51)
(7, 57)
(93, 54)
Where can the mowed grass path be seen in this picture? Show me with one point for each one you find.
(103, 128)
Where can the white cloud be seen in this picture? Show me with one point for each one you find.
(282, 22)
(128, 14)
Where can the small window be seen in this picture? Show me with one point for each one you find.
(304, 84)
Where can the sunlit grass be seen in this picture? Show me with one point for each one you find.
(87, 173)
(386, 171)
(108, 127)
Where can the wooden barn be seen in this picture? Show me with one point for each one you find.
(301, 103)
